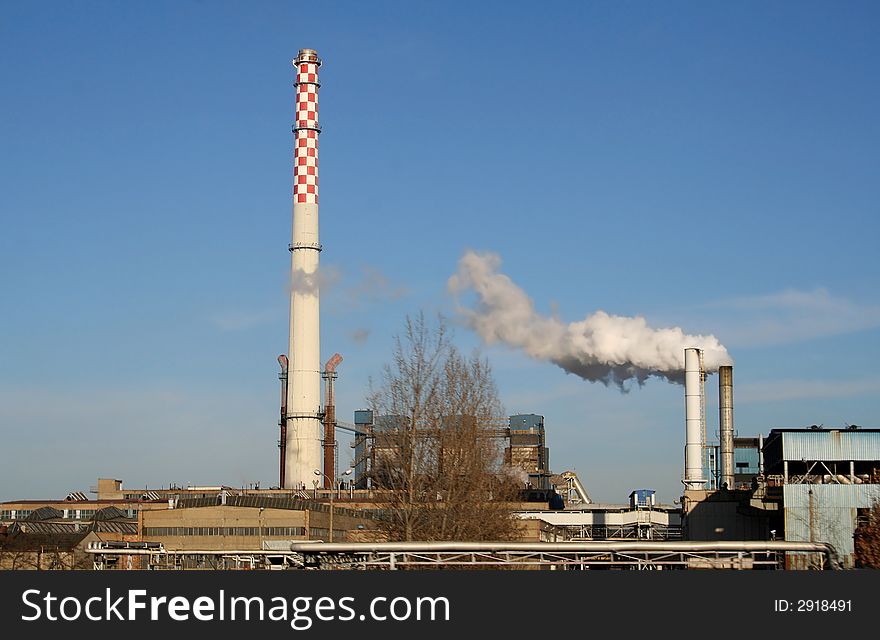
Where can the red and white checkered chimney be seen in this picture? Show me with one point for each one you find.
(302, 451)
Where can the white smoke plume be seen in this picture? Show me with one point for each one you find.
(517, 474)
(600, 348)
(323, 278)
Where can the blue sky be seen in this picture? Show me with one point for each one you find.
(711, 166)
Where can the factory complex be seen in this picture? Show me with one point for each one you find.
(808, 485)
(791, 498)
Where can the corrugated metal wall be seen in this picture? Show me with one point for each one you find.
(829, 516)
(831, 445)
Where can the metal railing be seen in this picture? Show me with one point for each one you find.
(513, 555)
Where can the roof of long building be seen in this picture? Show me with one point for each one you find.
(51, 513)
(71, 527)
(26, 541)
(266, 502)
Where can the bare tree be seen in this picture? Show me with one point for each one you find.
(436, 457)
(867, 539)
(16, 559)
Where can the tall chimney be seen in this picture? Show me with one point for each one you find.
(303, 437)
(725, 421)
(694, 414)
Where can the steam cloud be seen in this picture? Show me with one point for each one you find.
(310, 283)
(600, 348)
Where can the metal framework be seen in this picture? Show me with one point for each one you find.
(500, 555)
(393, 436)
(633, 531)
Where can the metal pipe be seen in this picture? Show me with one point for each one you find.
(329, 376)
(761, 455)
(745, 546)
(317, 546)
(596, 545)
(693, 399)
(282, 442)
(725, 422)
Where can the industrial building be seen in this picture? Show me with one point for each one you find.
(21, 550)
(812, 485)
(247, 522)
(746, 455)
(527, 449)
(613, 521)
(795, 484)
(174, 519)
(54, 535)
(822, 479)
(189, 519)
(521, 436)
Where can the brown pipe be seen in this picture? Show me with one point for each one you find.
(330, 423)
(282, 443)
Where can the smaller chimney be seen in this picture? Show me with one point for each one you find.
(282, 442)
(694, 419)
(330, 423)
(725, 422)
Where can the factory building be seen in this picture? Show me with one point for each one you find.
(248, 522)
(746, 459)
(582, 519)
(811, 485)
(387, 439)
(363, 421)
(823, 481)
(527, 449)
(78, 507)
(612, 521)
(798, 485)
(716, 506)
(378, 439)
(726, 514)
(21, 550)
(207, 517)
(35, 535)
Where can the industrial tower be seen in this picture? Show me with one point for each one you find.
(302, 435)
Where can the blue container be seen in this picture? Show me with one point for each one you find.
(642, 498)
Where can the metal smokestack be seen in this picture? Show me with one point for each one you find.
(282, 441)
(303, 437)
(725, 421)
(330, 423)
(694, 415)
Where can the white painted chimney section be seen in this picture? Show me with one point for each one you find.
(694, 415)
(303, 438)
